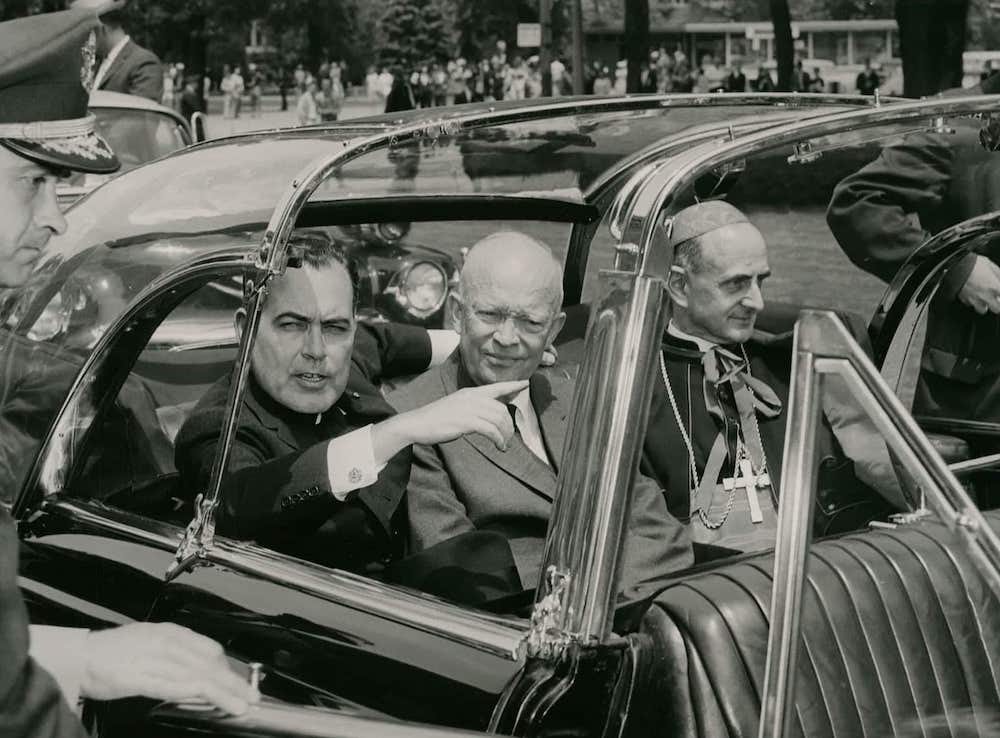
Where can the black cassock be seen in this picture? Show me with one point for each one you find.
(843, 502)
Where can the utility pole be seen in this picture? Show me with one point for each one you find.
(545, 50)
(576, 16)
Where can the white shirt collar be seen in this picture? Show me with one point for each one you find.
(529, 426)
(703, 344)
(522, 401)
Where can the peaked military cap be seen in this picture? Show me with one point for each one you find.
(46, 73)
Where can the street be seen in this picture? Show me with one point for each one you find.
(272, 116)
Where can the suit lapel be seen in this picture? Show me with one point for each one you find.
(517, 460)
(551, 396)
(117, 64)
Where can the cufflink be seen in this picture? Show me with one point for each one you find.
(354, 476)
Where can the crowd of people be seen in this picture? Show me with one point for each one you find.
(320, 96)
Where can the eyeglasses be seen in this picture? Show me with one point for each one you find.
(523, 324)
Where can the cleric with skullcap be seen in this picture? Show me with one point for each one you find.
(46, 69)
(717, 419)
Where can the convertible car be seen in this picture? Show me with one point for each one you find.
(404, 280)
(883, 625)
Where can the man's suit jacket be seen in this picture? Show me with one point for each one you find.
(31, 705)
(885, 211)
(468, 484)
(277, 488)
(135, 71)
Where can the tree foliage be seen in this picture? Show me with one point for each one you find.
(412, 32)
(479, 24)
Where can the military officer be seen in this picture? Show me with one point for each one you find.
(46, 69)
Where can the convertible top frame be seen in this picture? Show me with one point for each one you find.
(627, 322)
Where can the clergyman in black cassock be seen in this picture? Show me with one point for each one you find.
(844, 502)
(718, 415)
(277, 489)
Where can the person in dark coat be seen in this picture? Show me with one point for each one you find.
(867, 80)
(400, 97)
(125, 66)
(736, 81)
(882, 213)
(190, 98)
(320, 462)
(45, 76)
(718, 414)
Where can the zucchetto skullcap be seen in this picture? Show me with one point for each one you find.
(705, 217)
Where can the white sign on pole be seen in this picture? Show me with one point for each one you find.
(529, 35)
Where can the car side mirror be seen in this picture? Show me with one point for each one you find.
(198, 128)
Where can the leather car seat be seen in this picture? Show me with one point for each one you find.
(899, 631)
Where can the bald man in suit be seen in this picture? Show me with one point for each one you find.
(507, 311)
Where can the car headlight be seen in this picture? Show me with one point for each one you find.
(392, 232)
(423, 288)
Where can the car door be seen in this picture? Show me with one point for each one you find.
(102, 515)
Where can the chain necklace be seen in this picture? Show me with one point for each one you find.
(706, 521)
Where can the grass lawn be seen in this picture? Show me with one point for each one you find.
(808, 268)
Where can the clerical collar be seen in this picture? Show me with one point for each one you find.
(702, 343)
(260, 397)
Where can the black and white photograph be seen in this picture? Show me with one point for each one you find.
(536, 368)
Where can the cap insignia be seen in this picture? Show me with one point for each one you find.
(87, 57)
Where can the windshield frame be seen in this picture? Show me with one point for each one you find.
(272, 256)
(633, 307)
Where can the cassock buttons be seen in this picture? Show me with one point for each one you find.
(354, 476)
(356, 395)
(285, 502)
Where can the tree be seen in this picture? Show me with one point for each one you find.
(636, 38)
(413, 32)
(481, 23)
(931, 40)
(784, 48)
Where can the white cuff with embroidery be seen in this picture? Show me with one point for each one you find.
(350, 462)
(60, 652)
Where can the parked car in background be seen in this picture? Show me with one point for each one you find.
(884, 631)
(138, 129)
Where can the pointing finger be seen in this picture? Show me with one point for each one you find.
(503, 390)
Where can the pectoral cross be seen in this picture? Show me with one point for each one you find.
(751, 483)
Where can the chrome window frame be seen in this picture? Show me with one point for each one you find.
(580, 602)
(494, 634)
(272, 256)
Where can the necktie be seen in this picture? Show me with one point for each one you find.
(512, 409)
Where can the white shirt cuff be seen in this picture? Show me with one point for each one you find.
(350, 462)
(60, 652)
(443, 344)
